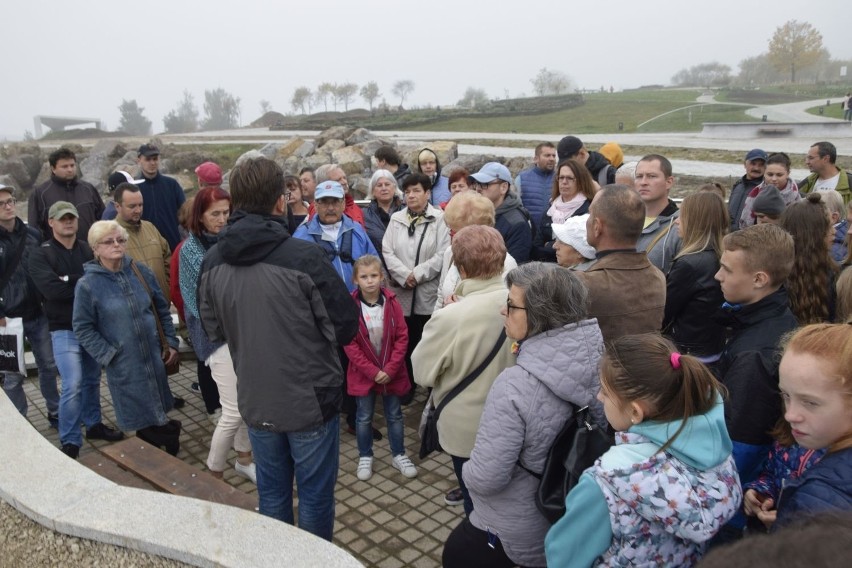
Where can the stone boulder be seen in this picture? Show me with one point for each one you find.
(318, 159)
(33, 164)
(15, 168)
(290, 166)
(306, 149)
(270, 150)
(358, 136)
(289, 148)
(351, 160)
(9, 181)
(472, 163)
(333, 133)
(369, 147)
(127, 163)
(110, 147)
(515, 165)
(250, 155)
(331, 146)
(95, 169)
(43, 175)
(21, 149)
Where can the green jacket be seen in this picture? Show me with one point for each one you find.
(844, 185)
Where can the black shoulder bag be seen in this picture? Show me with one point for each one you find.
(429, 440)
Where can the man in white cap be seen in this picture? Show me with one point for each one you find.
(494, 181)
(55, 267)
(20, 299)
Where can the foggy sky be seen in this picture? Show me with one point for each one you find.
(83, 58)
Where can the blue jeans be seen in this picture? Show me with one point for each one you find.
(457, 467)
(364, 423)
(312, 457)
(81, 385)
(36, 332)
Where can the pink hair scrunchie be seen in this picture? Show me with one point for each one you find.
(675, 360)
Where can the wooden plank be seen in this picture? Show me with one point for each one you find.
(109, 469)
(172, 475)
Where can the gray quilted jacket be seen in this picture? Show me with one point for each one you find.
(525, 409)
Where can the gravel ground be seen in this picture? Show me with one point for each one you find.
(25, 543)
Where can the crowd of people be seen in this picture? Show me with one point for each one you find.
(711, 337)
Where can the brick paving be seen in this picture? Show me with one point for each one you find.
(388, 521)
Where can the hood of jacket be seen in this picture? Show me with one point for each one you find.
(250, 238)
(596, 163)
(565, 359)
(511, 201)
(437, 173)
(703, 443)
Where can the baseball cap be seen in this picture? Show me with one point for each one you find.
(568, 147)
(492, 171)
(328, 189)
(120, 177)
(148, 150)
(209, 173)
(7, 188)
(755, 154)
(573, 233)
(61, 208)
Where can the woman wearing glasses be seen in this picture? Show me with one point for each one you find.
(558, 348)
(573, 190)
(115, 320)
(413, 249)
(459, 339)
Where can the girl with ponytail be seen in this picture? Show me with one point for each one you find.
(669, 483)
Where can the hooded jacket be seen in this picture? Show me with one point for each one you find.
(526, 408)
(661, 251)
(513, 223)
(283, 310)
(365, 363)
(600, 168)
(81, 194)
(639, 507)
(440, 184)
(825, 487)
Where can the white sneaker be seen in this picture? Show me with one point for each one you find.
(365, 468)
(404, 465)
(248, 471)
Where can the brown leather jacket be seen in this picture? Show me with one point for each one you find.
(627, 294)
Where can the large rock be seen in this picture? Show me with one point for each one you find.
(306, 149)
(472, 163)
(318, 159)
(291, 166)
(15, 168)
(270, 150)
(351, 160)
(335, 132)
(33, 164)
(128, 163)
(20, 149)
(331, 146)
(95, 169)
(250, 155)
(370, 146)
(289, 148)
(111, 147)
(358, 136)
(43, 175)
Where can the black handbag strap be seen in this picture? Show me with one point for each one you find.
(164, 344)
(472, 376)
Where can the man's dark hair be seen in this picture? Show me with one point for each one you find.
(542, 146)
(307, 169)
(665, 164)
(826, 149)
(622, 211)
(60, 154)
(256, 185)
(387, 154)
(124, 187)
(416, 178)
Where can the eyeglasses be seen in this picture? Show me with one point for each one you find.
(9, 202)
(567, 178)
(109, 242)
(510, 307)
(481, 185)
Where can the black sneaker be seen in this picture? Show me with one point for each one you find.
(71, 450)
(102, 432)
(179, 402)
(195, 387)
(53, 418)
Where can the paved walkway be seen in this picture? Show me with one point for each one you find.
(389, 521)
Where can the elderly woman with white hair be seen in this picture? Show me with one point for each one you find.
(118, 308)
(572, 249)
(385, 200)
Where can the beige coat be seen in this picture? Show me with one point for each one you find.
(450, 276)
(400, 251)
(146, 245)
(456, 341)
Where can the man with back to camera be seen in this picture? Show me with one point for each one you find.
(64, 185)
(755, 165)
(55, 268)
(19, 299)
(285, 353)
(162, 195)
(534, 185)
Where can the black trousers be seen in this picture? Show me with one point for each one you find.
(415, 323)
(467, 547)
(209, 390)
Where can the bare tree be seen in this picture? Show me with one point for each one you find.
(794, 46)
(402, 89)
(324, 91)
(548, 82)
(345, 94)
(301, 99)
(370, 93)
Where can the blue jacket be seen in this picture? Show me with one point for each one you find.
(535, 186)
(636, 506)
(340, 258)
(114, 321)
(827, 486)
(440, 191)
(162, 197)
(513, 223)
(376, 221)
